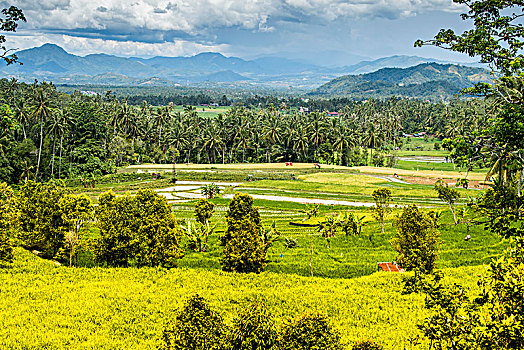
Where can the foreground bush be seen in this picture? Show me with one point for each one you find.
(309, 332)
(195, 327)
(137, 230)
(253, 329)
(367, 345)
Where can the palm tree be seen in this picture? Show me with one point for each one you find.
(41, 111)
(271, 133)
(22, 113)
(57, 127)
(371, 140)
(211, 142)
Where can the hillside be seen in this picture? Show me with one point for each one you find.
(54, 307)
(432, 81)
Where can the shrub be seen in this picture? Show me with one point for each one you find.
(367, 345)
(491, 321)
(309, 332)
(253, 329)
(195, 327)
(245, 250)
(290, 243)
(417, 240)
(138, 230)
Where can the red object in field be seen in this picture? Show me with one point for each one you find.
(389, 267)
(289, 163)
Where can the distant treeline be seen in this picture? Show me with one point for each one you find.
(45, 133)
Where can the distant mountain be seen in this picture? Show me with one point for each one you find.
(427, 80)
(387, 62)
(52, 63)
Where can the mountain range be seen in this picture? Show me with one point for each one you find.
(52, 63)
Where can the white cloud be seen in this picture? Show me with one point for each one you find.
(200, 16)
(84, 46)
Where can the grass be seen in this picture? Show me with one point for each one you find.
(360, 185)
(411, 170)
(44, 306)
(237, 166)
(350, 257)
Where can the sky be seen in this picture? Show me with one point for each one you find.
(328, 32)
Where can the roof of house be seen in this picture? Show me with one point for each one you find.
(389, 267)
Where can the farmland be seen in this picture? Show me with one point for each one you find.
(49, 306)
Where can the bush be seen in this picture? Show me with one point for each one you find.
(309, 332)
(367, 345)
(244, 248)
(139, 230)
(195, 327)
(417, 240)
(253, 329)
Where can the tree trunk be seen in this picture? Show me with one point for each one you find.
(60, 160)
(453, 212)
(40, 147)
(53, 159)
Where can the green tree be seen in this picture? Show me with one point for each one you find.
(417, 240)
(8, 23)
(497, 35)
(40, 224)
(382, 197)
(77, 211)
(137, 230)
(328, 228)
(447, 194)
(491, 321)
(310, 331)
(245, 250)
(253, 329)
(195, 327)
(350, 224)
(204, 210)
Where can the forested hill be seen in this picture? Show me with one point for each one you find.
(430, 81)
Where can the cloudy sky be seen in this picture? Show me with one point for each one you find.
(334, 32)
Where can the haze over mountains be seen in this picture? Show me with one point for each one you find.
(51, 62)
